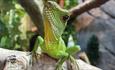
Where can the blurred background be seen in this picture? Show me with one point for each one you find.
(92, 30)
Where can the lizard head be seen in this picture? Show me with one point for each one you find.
(57, 16)
(53, 8)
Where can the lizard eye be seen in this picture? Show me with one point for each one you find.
(65, 17)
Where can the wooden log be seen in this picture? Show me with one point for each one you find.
(17, 60)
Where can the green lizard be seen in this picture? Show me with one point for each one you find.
(55, 20)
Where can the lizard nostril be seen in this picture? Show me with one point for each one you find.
(65, 17)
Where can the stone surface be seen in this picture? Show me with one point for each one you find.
(109, 8)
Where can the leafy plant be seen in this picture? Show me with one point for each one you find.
(11, 37)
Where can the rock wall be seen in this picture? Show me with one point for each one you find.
(101, 23)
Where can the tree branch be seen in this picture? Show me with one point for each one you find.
(34, 12)
(86, 6)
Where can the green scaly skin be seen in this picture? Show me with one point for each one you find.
(54, 25)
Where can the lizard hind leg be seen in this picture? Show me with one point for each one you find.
(75, 65)
(60, 63)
